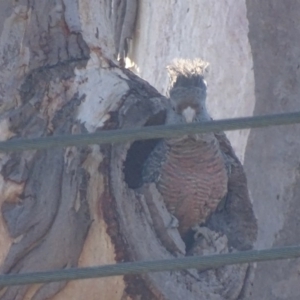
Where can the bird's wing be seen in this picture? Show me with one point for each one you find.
(236, 218)
(152, 167)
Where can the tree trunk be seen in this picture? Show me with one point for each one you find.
(276, 48)
(86, 206)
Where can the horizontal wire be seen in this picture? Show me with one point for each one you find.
(150, 132)
(191, 262)
(125, 135)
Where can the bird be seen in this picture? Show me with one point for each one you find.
(191, 171)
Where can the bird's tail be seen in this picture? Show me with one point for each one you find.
(187, 73)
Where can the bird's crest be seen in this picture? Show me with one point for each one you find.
(187, 73)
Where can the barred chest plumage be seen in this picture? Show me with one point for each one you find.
(193, 179)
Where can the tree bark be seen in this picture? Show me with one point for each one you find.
(275, 47)
(86, 206)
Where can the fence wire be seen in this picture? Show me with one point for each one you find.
(130, 268)
(151, 132)
(128, 135)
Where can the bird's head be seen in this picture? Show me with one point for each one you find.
(188, 104)
(187, 91)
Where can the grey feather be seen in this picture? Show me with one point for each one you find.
(152, 166)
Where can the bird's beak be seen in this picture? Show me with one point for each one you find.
(189, 114)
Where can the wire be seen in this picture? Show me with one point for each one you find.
(151, 132)
(192, 262)
(126, 135)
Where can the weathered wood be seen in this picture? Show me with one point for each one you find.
(87, 206)
(125, 18)
(148, 236)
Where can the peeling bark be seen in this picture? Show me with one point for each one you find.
(87, 206)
